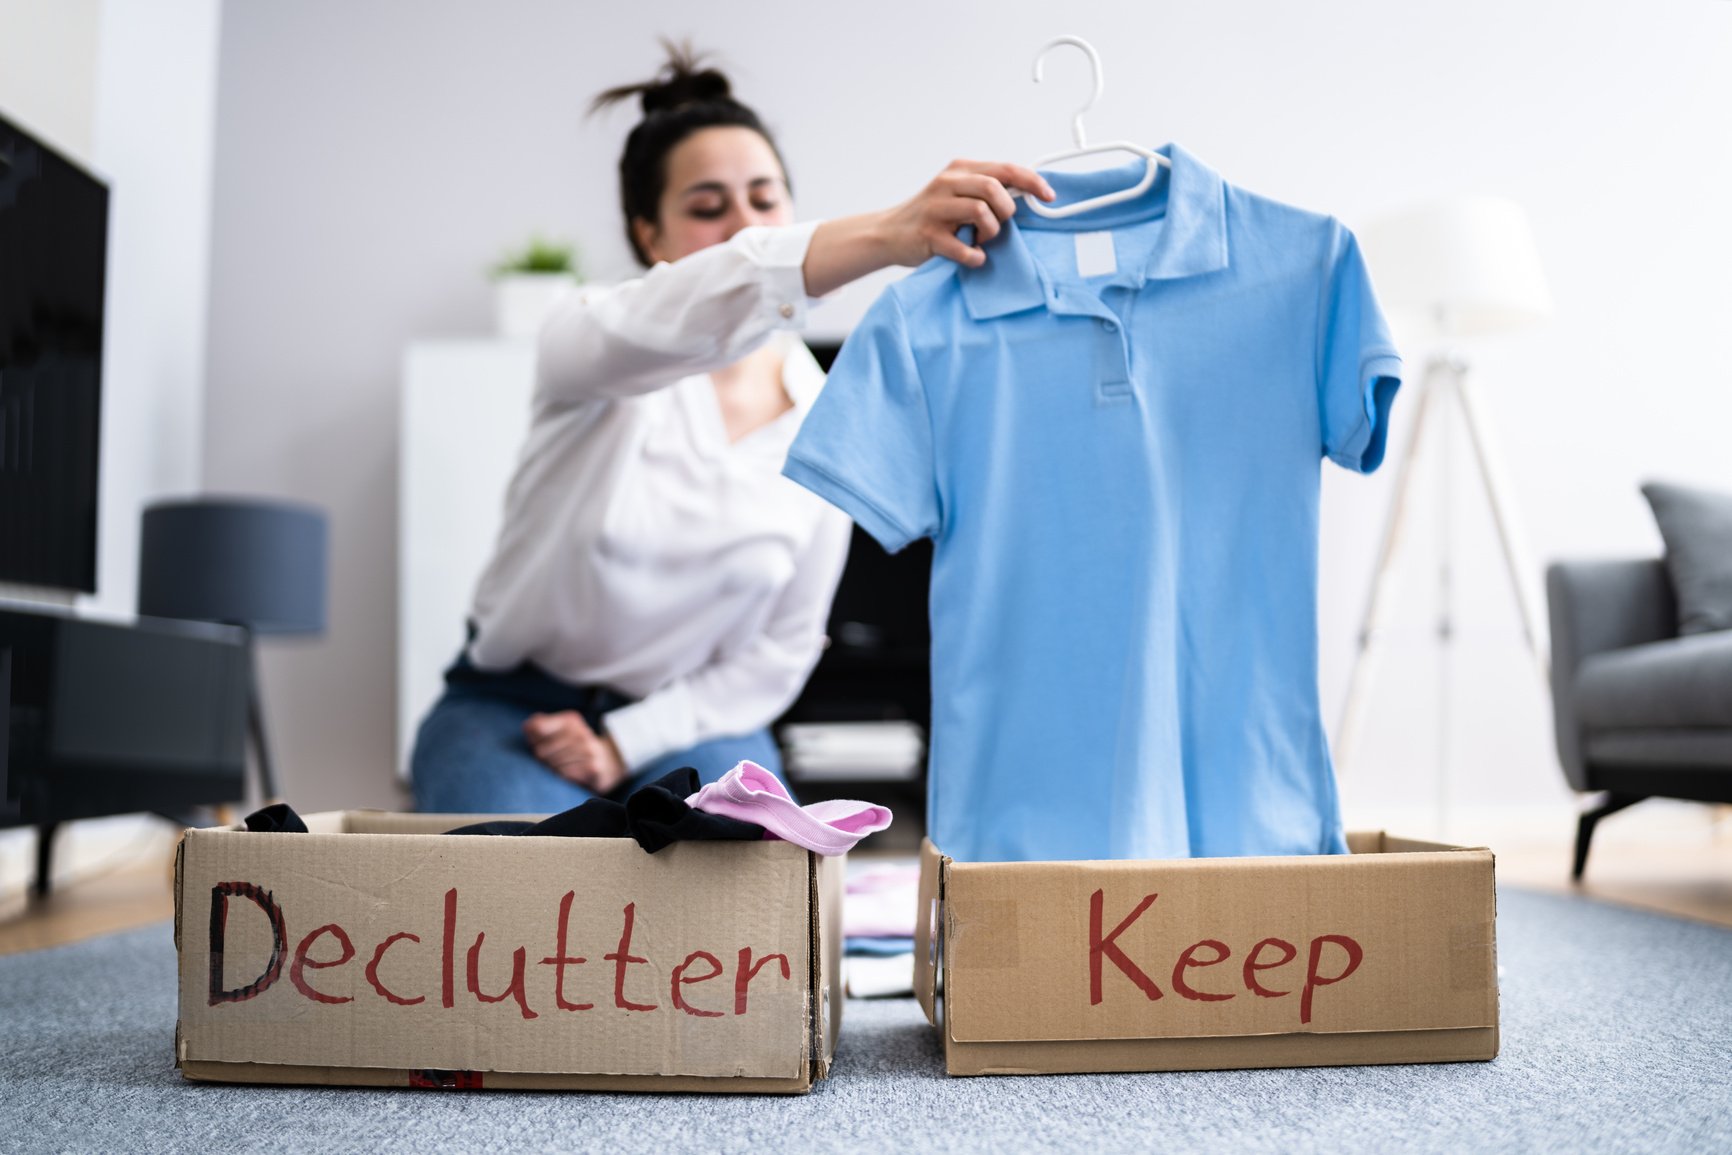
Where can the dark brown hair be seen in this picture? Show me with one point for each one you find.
(682, 99)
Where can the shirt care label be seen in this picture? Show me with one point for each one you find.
(1095, 256)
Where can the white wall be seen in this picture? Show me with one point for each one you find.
(372, 159)
(48, 70)
(154, 137)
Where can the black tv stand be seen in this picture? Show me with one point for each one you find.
(105, 718)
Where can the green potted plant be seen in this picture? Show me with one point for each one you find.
(529, 281)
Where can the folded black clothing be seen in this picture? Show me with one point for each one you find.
(655, 815)
(277, 818)
(592, 818)
(495, 826)
(596, 818)
(660, 817)
(681, 784)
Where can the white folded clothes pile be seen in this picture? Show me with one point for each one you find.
(878, 917)
(879, 978)
(857, 751)
(881, 900)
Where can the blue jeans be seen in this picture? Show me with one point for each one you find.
(470, 755)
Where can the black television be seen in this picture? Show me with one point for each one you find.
(53, 273)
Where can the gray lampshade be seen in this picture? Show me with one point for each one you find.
(250, 562)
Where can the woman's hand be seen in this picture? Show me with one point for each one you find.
(967, 192)
(572, 750)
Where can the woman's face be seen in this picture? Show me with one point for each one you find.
(720, 180)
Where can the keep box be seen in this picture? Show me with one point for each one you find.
(1387, 954)
(376, 951)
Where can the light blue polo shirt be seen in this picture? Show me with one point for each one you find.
(1120, 473)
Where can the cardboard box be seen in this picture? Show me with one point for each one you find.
(1384, 955)
(376, 951)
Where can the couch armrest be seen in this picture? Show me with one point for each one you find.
(1598, 606)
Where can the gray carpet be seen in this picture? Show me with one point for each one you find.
(1617, 1037)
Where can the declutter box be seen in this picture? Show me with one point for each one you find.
(376, 951)
(1387, 954)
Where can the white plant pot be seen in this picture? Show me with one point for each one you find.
(523, 301)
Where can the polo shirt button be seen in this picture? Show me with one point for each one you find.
(1109, 326)
(786, 311)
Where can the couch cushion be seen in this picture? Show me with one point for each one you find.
(1661, 750)
(1678, 682)
(1697, 527)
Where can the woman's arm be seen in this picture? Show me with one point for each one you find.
(711, 308)
(699, 313)
(741, 691)
(967, 192)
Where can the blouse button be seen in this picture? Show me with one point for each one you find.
(787, 311)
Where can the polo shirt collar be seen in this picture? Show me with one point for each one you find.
(1193, 240)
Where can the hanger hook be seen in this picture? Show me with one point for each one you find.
(1094, 70)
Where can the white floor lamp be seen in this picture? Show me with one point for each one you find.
(1446, 274)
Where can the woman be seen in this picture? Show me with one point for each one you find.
(659, 592)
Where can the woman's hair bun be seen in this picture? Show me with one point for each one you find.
(680, 82)
(685, 87)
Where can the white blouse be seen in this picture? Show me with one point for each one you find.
(643, 551)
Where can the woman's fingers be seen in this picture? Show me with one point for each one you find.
(949, 245)
(964, 210)
(580, 766)
(561, 749)
(576, 772)
(986, 225)
(1012, 176)
(543, 727)
(539, 726)
(564, 742)
(977, 193)
(988, 191)
(967, 193)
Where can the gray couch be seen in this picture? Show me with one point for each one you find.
(1640, 712)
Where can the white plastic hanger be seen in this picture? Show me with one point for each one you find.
(1083, 148)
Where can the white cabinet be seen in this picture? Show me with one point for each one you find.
(465, 412)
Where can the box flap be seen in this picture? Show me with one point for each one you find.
(927, 921)
(1215, 947)
(1394, 844)
(393, 822)
(829, 878)
(1382, 842)
(524, 954)
(1365, 841)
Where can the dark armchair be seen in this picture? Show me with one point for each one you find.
(1640, 712)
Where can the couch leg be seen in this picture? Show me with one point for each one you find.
(1590, 818)
(44, 859)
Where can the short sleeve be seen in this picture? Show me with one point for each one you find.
(1358, 368)
(866, 445)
